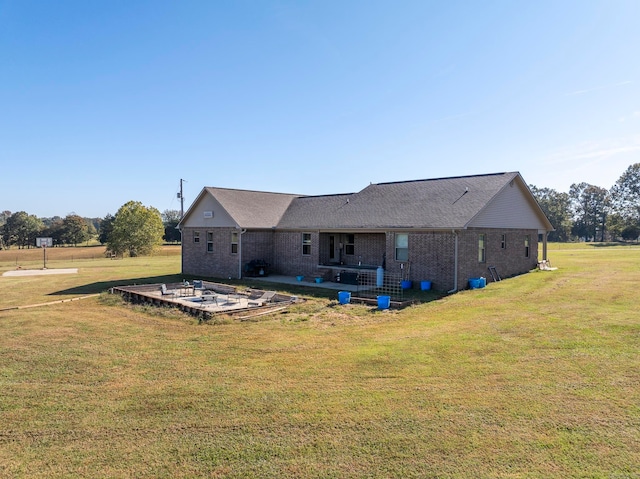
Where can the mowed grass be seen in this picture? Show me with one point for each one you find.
(534, 376)
(95, 273)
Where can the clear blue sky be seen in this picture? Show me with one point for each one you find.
(106, 102)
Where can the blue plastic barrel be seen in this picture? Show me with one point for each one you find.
(380, 277)
(425, 285)
(344, 297)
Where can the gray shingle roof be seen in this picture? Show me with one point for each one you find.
(253, 209)
(442, 203)
(431, 204)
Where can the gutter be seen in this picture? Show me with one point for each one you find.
(455, 264)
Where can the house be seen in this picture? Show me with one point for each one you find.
(444, 230)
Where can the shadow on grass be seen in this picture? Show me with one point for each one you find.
(292, 290)
(414, 295)
(101, 286)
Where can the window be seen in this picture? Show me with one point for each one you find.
(196, 236)
(402, 247)
(503, 242)
(350, 246)
(234, 242)
(482, 258)
(306, 243)
(527, 240)
(209, 242)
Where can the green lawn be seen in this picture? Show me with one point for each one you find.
(535, 376)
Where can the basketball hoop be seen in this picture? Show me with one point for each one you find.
(43, 243)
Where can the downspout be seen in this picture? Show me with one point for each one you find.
(242, 231)
(181, 250)
(455, 263)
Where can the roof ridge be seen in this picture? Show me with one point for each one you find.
(443, 178)
(252, 191)
(329, 195)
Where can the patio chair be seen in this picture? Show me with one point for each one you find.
(167, 292)
(197, 285)
(266, 297)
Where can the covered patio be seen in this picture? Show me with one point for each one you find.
(309, 283)
(367, 284)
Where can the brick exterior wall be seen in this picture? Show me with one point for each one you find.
(431, 258)
(370, 249)
(431, 254)
(509, 261)
(221, 262)
(258, 245)
(288, 257)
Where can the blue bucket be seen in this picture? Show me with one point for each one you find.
(384, 302)
(344, 297)
(425, 285)
(406, 284)
(474, 283)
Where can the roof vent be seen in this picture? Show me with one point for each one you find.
(466, 190)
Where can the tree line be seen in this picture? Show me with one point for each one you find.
(593, 213)
(135, 229)
(585, 213)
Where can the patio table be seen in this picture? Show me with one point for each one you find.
(187, 290)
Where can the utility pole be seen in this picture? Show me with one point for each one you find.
(181, 196)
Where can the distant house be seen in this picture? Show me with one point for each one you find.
(444, 230)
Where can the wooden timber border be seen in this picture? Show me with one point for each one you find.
(152, 294)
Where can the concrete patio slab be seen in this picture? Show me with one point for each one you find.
(37, 272)
(274, 278)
